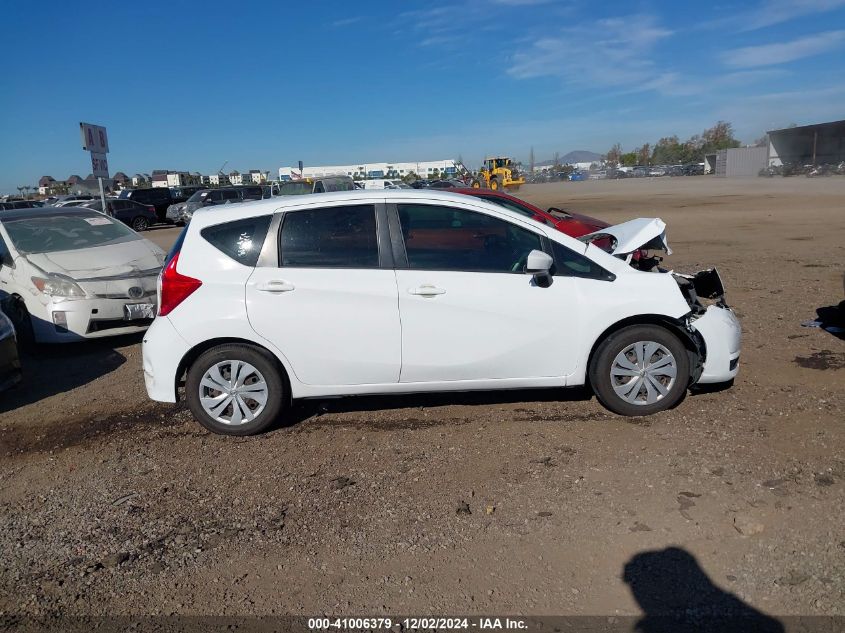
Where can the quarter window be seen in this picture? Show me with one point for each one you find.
(333, 237)
(568, 263)
(445, 238)
(241, 240)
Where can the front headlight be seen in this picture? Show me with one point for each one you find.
(58, 286)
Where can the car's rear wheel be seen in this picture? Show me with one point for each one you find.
(140, 223)
(235, 389)
(640, 370)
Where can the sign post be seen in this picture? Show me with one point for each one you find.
(96, 140)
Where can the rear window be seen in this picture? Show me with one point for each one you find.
(295, 188)
(241, 240)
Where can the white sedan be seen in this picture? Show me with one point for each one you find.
(70, 274)
(375, 292)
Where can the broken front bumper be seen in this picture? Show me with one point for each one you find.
(722, 336)
(80, 319)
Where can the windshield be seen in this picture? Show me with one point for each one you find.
(295, 188)
(55, 233)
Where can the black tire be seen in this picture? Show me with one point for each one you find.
(262, 361)
(140, 223)
(16, 310)
(494, 184)
(606, 354)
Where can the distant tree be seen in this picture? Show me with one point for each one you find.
(763, 141)
(667, 151)
(644, 154)
(410, 177)
(614, 155)
(629, 159)
(720, 136)
(531, 160)
(557, 160)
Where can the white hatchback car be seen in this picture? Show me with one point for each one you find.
(376, 292)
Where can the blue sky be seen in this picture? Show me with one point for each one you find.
(190, 85)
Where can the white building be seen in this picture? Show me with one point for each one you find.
(423, 169)
(219, 179)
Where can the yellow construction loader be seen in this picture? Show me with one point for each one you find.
(498, 174)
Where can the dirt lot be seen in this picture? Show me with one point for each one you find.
(525, 502)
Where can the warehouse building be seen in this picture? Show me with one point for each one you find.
(740, 162)
(423, 169)
(817, 144)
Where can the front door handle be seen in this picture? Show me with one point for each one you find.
(275, 286)
(427, 290)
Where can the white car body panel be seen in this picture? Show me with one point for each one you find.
(722, 338)
(348, 332)
(352, 312)
(632, 235)
(485, 326)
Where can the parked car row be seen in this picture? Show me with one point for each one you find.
(20, 204)
(798, 169)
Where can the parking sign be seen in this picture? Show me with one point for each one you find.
(94, 138)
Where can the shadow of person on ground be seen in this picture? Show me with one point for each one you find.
(677, 596)
(52, 369)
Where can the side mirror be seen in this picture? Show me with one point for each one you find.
(539, 265)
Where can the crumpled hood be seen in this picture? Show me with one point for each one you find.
(127, 259)
(634, 235)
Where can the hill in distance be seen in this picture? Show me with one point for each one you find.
(577, 156)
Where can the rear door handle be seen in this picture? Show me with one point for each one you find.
(427, 290)
(275, 286)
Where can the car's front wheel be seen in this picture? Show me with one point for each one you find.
(235, 389)
(640, 370)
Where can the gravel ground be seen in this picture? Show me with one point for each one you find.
(535, 502)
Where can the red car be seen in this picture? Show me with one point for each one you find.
(573, 224)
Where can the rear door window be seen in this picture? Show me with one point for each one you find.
(231, 195)
(241, 240)
(334, 237)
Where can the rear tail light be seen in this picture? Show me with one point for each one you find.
(174, 287)
(151, 209)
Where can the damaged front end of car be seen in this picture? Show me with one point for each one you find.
(711, 324)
